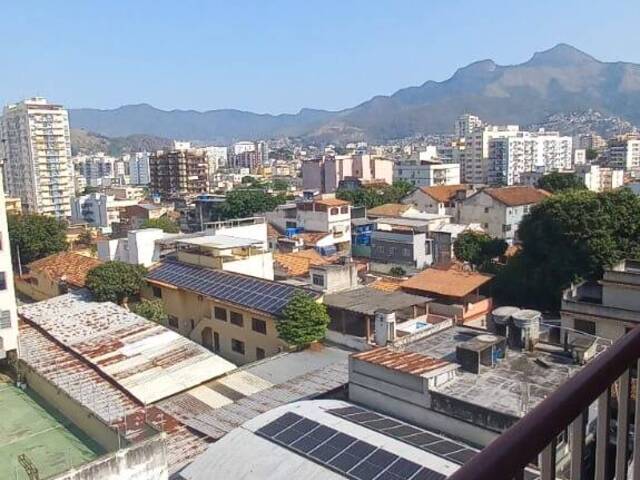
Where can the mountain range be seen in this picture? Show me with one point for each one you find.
(559, 80)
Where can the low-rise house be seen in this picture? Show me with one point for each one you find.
(55, 275)
(99, 210)
(297, 264)
(500, 210)
(229, 313)
(441, 199)
(427, 173)
(608, 308)
(400, 246)
(456, 293)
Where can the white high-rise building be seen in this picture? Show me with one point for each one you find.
(542, 152)
(8, 315)
(36, 144)
(473, 151)
(138, 168)
(95, 168)
(242, 147)
(218, 155)
(625, 155)
(466, 124)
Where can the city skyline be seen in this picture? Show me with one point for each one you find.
(329, 57)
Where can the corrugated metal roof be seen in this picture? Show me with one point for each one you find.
(109, 403)
(367, 300)
(147, 360)
(407, 362)
(250, 292)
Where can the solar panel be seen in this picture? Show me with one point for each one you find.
(422, 439)
(463, 456)
(443, 447)
(381, 424)
(402, 431)
(340, 452)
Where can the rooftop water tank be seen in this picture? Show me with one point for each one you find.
(526, 329)
(501, 317)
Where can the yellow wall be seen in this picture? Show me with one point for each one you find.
(38, 286)
(187, 306)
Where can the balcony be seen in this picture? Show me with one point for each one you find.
(602, 391)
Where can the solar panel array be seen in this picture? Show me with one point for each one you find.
(415, 436)
(264, 295)
(342, 453)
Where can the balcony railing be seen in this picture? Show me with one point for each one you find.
(535, 435)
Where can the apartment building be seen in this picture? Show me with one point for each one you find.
(511, 156)
(600, 179)
(325, 174)
(95, 169)
(473, 151)
(624, 155)
(499, 211)
(139, 172)
(427, 173)
(99, 210)
(179, 172)
(8, 315)
(466, 124)
(36, 146)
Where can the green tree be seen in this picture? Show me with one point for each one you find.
(371, 196)
(303, 320)
(478, 248)
(36, 236)
(397, 271)
(246, 203)
(569, 237)
(164, 223)
(280, 185)
(151, 310)
(85, 238)
(115, 281)
(560, 182)
(591, 154)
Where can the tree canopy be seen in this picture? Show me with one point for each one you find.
(591, 154)
(36, 236)
(151, 310)
(164, 223)
(371, 196)
(478, 248)
(115, 281)
(303, 320)
(246, 203)
(280, 185)
(568, 237)
(556, 182)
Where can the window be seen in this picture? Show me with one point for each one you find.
(406, 252)
(506, 227)
(216, 342)
(486, 209)
(585, 326)
(220, 313)
(3, 281)
(259, 326)
(236, 318)
(318, 280)
(157, 292)
(237, 346)
(193, 324)
(173, 321)
(5, 319)
(259, 353)
(344, 209)
(334, 211)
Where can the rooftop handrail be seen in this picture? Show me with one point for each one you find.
(507, 456)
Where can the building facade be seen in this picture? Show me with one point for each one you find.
(37, 148)
(624, 155)
(427, 173)
(179, 173)
(600, 179)
(8, 315)
(99, 210)
(139, 172)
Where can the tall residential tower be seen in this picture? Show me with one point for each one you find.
(8, 315)
(36, 147)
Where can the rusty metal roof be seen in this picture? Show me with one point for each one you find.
(86, 386)
(407, 362)
(145, 359)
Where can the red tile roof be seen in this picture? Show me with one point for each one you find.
(298, 263)
(444, 193)
(449, 283)
(388, 210)
(516, 196)
(68, 266)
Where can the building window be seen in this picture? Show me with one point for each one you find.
(220, 313)
(193, 324)
(157, 292)
(216, 342)
(173, 321)
(259, 326)
(3, 281)
(236, 318)
(259, 353)
(334, 211)
(237, 346)
(486, 209)
(585, 326)
(5, 319)
(406, 252)
(344, 209)
(318, 280)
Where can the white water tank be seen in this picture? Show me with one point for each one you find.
(501, 318)
(526, 329)
(385, 327)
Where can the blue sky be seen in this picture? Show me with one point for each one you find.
(281, 55)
